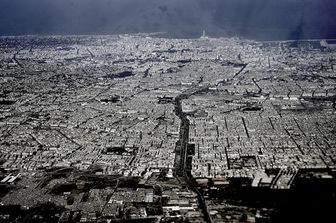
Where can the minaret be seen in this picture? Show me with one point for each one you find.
(204, 35)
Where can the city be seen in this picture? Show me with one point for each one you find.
(138, 127)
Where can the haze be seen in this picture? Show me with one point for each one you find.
(257, 19)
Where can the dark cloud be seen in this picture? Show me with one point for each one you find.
(262, 19)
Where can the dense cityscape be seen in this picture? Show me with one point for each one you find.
(132, 128)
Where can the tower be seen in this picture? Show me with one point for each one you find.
(204, 35)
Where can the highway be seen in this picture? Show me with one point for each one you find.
(182, 170)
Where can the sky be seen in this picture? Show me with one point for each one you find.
(255, 19)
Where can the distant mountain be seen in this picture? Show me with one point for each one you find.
(257, 19)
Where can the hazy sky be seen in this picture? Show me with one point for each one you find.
(261, 19)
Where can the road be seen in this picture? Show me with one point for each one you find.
(182, 170)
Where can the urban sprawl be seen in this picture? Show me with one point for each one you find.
(136, 127)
